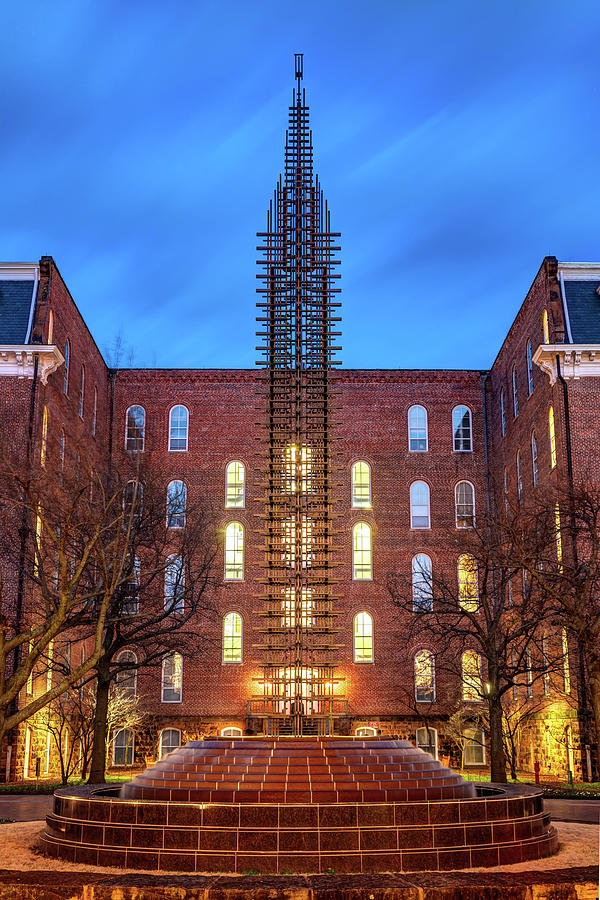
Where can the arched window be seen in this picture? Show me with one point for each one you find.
(461, 429)
(474, 747)
(126, 678)
(178, 428)
(471, 676)
(81, 391)
(362, 554)
(552, 437)
(234, 552)
(417, 429)
(545, 329)
(232, 732)
(557, 533)
(566, 667)
(50, 327)
(419, 505)
(170, 739)
(467, 583)
(515, 392)
(133, 502)
(123, 747)
(422, 587)
(503, 412)
(131, 591)
(44, 440)
(235, 483)
(534, 460)
(424, 677)
(176, 504)
(464, 501)
(363, 638)
(67, 364)
(135, 429)
(232, 638)
(361, 485)
(172, 672)
(529, 369)
(426, 739)
(366, 731)
(174, 585)
(519, 477)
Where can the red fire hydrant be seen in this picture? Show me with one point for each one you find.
(536, 771)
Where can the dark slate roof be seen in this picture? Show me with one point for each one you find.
(583, 305)
(15, 307)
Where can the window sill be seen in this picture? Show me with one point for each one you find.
(462, 451)
(171, 701)
(364, 662)
(185, 450)
(232, 663)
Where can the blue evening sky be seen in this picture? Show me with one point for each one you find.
(458, 144)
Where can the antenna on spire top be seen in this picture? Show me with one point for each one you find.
(299, 67)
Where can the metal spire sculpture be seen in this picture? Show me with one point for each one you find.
(298, 692)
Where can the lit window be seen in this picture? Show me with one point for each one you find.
(235, 479)
(50, 327)
(66, 371)
(37, 549)
(123, 747)
(474, 747)
(81, 391)
(176, 504)
(417, 429)
(131, 590)
(172, 671)
(44, 441)
(467, 583)
(552, 437)
(49, 666)
(557, 533)
(174, 585)
(178, 428)
(232, 638)
(170, 739)
(426, 739)
(362, 556)
(566, 668)
(126, 678)
(461, 429)
(515, 392)
(419, 505)
(366, 731)
(464, 497)
(136, 426)
(534, 460)
(234, 552)
(361, 485)
(503, 412)
(424, 677)
(307, 607)
(506, 502)
(519, 477)
(289, 538)
(95, 412)
(529, 369)
(363, 638)
(422, 588)
(471, 676)
(297, 467)
(545, 329)
(232, 732)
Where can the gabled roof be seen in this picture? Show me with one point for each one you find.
(18, 288)
(579, 282)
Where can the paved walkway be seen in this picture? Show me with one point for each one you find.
(25, 807)
(574, 810)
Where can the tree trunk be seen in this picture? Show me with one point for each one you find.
(98, 761)
(497, 758)
(593, 667)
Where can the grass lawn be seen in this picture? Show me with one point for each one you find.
(48, 787)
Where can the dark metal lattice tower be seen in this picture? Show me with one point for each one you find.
(298, 692)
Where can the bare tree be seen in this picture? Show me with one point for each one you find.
(124, 712)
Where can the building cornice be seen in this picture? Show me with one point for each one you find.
(18, 360)
(574, 271)
(576, 360)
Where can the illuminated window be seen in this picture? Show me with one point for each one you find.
(557, 533)
(529, 369)
(81, 391)
(503, 412)
(426, 739)
(37, 550)
(234, 552)
(44, 441)
(424, 677)
(467, 583)
(363, 638)
(172, 671)
(49, 666)
(66, 370)
(419, 505)
(461, 429)
(178, 428)
(50, 327)
(474, 747)
(545, 329)
(417, 429)
(235, 480)
(534, 460)
(123, 747)
(307, 607)
(361, 485)
(176, 504)
(422, 588)
(519, 478)
(472, 688)
(289, 538)
(297, 467)
(95, 412)
(366, 731)
(136, 426)
(566, 667)
(232, 732)
(552, 437)
(362, 556)
(126, 678)
(174, 585)
(170, 739)
(464, 498)
(515, 392)
(232, 638)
